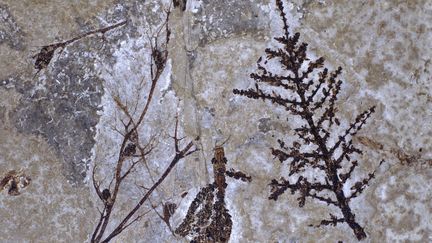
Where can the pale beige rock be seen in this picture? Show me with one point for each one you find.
(383, 47)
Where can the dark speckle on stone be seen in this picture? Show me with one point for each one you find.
(264, 125)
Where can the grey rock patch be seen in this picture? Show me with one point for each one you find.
(265, 125)
(10, 33)
(8, 82)
(63, 108)
(215, 20)
(2, 114)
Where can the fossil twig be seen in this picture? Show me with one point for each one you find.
(133, 153)
(45, 55)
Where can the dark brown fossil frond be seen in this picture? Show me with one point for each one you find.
(307, 89)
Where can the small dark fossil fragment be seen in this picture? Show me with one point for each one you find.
(180, 4)
(129, 150)
(106, 194)
(14, 181)
(208, 219)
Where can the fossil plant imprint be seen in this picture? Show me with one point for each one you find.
(135, 152)
(46, 53)
(207, 219)
(324, 146)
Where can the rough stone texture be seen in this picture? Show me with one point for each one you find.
(62, 108)
(57, 123)
(10, 32)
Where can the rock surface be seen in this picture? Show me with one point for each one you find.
(57, 123)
